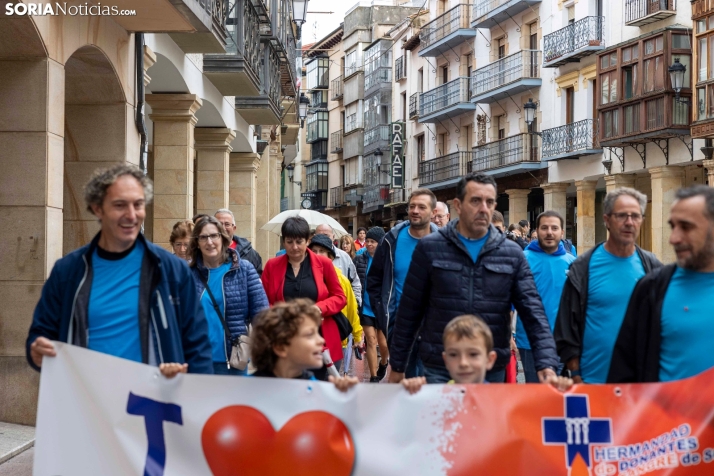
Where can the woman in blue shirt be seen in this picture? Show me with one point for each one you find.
(234, 283)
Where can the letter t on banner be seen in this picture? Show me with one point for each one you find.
(155, 414)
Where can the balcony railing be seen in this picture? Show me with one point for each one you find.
(336, 141)
(570, 140)
(643, 12)
(445, 96)
(352, 69)
(352, 122)
(400, 71)
(447, 167)
(489, 13)
(279, 30)
(377, 77)
(447, 30)
(337, 197)
(336, 91)
(573, 42)
(508, 76)
(374, 196)
(702, 8)
(397, 197)
(414, 105)
(373, 136)
(521, 148)
(654, 118)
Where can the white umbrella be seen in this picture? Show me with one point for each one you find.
(312, 217)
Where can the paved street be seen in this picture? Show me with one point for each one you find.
(20, 465)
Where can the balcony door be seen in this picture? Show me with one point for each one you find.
(501, 64)
(571, 30)
(502, 152)
(569, 117)
(533, 46)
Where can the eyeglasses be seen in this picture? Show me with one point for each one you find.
(183, 246)
(440, 216)
(227, 224)
(213, 237)
(622, 217)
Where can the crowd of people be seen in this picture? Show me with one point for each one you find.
(435, 299)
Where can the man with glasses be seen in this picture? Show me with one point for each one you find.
(598, 288)
(441, 215)
(241, 245)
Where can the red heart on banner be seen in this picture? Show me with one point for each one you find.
(241, 440)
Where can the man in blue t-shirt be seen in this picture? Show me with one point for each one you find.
(666, 333)
(391, 262)
(598, 288)
(549, 263)
(120, 294)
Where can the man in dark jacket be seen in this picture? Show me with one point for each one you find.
(122, 295)
(598, 288)
(666, 333)
(391, 264)
(241, 245)
(469, 267)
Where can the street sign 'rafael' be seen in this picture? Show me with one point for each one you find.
(397, 141)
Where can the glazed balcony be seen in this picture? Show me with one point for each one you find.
(571, 140)
(374, 197)
(575, 41)
(264, 108)
(519, 153)
(380, 78)
(353, 122)
(644, 120)
(336, 91)
(376, 137)
(448, 100)
(446, 170)
(317, 127)
(337, 197)
(414, 106)
(506, 77)
(701, 8)
(336, 142)
(489, 13)
(644, 12)
(400, 68)
(237, 71)
(446, 31)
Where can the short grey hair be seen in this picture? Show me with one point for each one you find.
(225, 210)
(446, 207)
(608, 205)
(96, 189)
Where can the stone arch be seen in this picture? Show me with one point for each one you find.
(97, 120)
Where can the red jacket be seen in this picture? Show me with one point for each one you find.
(330, 297)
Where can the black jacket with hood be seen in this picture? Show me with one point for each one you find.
(570, 323)
(443, 282)
(245, 251)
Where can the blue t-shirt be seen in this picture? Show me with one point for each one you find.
(612, 280)
(216, 333)
(687, 326)
(114, 305)
(549, 273)
(402, 259)
(366, 306)
(474, 246)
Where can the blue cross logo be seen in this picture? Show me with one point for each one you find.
(577, 431)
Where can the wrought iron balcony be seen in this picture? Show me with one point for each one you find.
(374, 197)
(573, 42)
(376, 137)
(379, 78)
(446, 31)
(571, 140)
(336, 88)
(414, 105)
(337, 197)
(207, 17)
(508, 76)
(265, 107)
(396, 197)
(517, 153)
(236, 73)
(489, 13)
(445, 170)
(400, 70)
(644, 12)
(353, 122)
(336, 141)
(448, 100)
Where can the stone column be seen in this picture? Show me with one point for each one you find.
(618, 181)
(276, 168)
(586, 214)
(517, 205)
(665, 182)
(709, 165)
(243, 189)
(212, 168)
(174, 121)
(554, 198)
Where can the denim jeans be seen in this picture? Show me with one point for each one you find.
(221, 368)
(415, 367)
(528, 365)
(496, 376)
(436, 374)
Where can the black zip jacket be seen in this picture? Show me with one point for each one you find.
(245, 251)
(570, 323)
(635, 358)
(443, 282)
(361, 262)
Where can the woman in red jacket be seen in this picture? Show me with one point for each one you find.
(300, 273)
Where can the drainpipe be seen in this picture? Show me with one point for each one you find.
(140, 123)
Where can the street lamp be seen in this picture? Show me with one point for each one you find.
(299, 14)
(291, 172)
(302, 109)
(530, 110)
(676, 76)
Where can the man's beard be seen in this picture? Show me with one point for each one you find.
(701, 259)
(421, 224)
